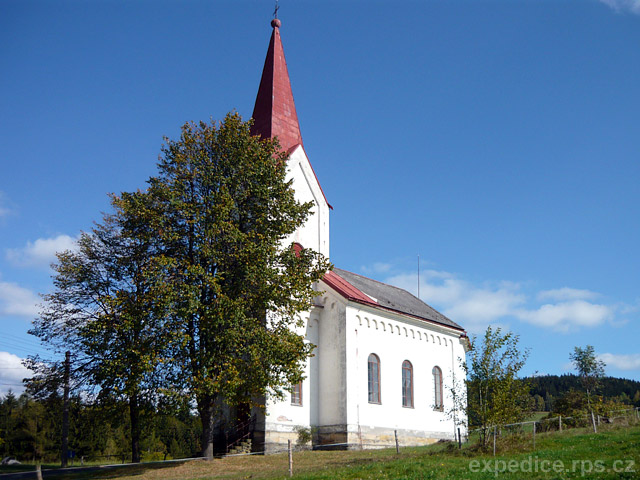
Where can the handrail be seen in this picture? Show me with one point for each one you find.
(242, 431)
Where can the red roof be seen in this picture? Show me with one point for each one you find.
(274, 113)
(345, 289)
(352, 293)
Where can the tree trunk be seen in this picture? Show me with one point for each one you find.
(134, 415)
(207, 417)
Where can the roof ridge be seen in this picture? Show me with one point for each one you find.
(381, 283)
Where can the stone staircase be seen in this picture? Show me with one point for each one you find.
(242, 447)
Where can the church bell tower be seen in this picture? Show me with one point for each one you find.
(274, 115)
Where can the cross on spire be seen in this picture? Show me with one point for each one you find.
(275, 12)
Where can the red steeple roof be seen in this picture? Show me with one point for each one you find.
(274, 114)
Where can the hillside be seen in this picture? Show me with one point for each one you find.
(550, 387)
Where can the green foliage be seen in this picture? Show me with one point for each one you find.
(305, 435)
(538, 403)
(191, 288)
(551, 387)
(576, 404)
(100, 430)
(105, 311)
(590, 369)
(221, 212)
(494, 394)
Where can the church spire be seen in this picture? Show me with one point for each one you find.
(274, 113)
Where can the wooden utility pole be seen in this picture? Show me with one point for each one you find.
(64, 453)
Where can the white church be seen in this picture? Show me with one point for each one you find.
(385, 360)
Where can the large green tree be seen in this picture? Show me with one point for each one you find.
(107, 313)
(223, 213)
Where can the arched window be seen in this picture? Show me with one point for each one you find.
(374, 378)
(438, 404)
(407, 384)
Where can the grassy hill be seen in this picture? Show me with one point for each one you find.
(613, 453)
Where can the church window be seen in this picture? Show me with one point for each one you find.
(374, 378)
(407, 384)
(437, 388)
(296, 394)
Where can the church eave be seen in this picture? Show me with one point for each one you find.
(353, 294)
(409, 315)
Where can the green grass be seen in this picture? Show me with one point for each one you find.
(581, 454)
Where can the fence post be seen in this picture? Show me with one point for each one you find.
(495, 430)
(395, 433)
(459, 439)
(560, 423)
(598, 419)
(593, 420)
(534, 435)
(38, 471)
(638, 412)
(82, 461)
(290, 458)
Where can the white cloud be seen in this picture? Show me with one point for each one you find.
(42, 252)
(632, 6)
(566, 316)
(622, 362)
(378, 267)
(566, 293)
(472, 306)
(11, 373)
(476, 306)
(19, 301)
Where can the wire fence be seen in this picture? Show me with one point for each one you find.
(624, 417)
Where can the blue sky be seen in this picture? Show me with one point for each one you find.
(498, 140)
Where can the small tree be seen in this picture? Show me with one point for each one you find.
(590, 370)
(494, 394)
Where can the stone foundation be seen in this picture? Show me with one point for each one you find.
(343, 437)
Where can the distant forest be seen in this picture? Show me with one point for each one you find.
(546, 389)
(30, 426)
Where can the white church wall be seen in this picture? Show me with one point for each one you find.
(335, 390)
(332, 362)
(282, 417)
(314, 233)
(394, 339)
